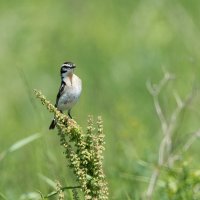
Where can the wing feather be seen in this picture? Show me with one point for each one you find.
(60, 92)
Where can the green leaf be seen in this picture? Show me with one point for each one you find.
(19, 144)
(30, 196)
(3, 196)
(48, 180)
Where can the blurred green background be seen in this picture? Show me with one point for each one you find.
(117, 46)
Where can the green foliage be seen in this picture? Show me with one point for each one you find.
(181, 182)
(117, 46)
(84, 152)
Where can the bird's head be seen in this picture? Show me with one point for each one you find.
(67, 69)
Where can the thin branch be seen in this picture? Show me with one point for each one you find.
(168, 129)
(185, 148)
(191, 140)
(179, 101)
(155, 92)
(161, 152)
(152, 183)
(160, 114)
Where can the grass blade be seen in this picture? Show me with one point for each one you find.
(2, 197)
(19, 144)
(48, 180)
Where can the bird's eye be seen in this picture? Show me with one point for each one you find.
(63, 70)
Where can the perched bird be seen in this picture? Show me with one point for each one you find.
(69, 92)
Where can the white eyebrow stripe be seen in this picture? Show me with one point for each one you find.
(66, 65)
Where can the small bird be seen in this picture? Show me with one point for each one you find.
(69, 92)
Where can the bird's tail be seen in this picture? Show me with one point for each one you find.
(53, 124)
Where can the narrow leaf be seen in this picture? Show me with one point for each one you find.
(2, 196)
(19, 144)
(48, 180)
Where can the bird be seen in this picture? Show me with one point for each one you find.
(69, 91)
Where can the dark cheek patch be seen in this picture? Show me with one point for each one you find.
(63, 71)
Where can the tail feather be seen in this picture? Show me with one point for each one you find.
(53, 124)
